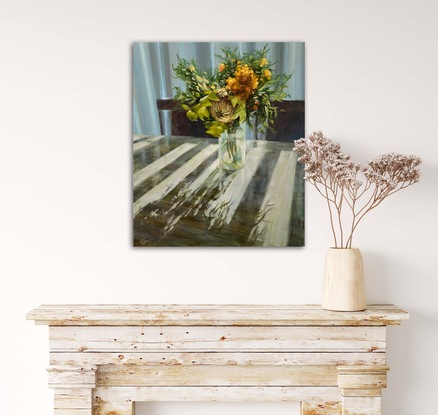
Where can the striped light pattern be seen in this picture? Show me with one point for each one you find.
(182, 197)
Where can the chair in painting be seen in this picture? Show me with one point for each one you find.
(174, 121)
(288, 126)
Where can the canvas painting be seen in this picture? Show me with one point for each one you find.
(214, 126)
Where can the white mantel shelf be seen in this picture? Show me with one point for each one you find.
(103, 358)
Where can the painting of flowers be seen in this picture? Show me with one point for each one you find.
(214, 129)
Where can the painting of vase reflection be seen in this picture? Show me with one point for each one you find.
(214, 126)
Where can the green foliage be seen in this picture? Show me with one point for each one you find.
(246, 80)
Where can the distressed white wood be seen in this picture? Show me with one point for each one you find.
(212, 315)
(217, 358)
(321, 408)
(174, 179)
(134, 338)
(362, 377)
(275, 212)
(368, 405)
(219, 393)
(220, 375)
(72, 377)
(121, 354)
(114, 406)
(73, 398)
(146, 172)
(362, 392)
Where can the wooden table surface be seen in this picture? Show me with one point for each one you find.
(182, 197)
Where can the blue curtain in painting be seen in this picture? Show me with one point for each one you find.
(152, 72)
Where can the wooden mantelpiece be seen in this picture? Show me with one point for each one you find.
(103, 358)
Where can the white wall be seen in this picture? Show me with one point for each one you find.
(65, 172)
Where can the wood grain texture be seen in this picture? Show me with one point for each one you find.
(361, 405)
(73, 398)
(250, 375)
(72, 377)
(212, 315)
(230, 339)
(218, 358)
(324, 408)
(218, 393)
(103, 358)
(358, 377)
(113, 406)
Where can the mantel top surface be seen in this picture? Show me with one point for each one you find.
(211, 315)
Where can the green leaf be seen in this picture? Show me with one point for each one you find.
(234, 101)
(212, 96)
(205, 102)
(237, 102)
(241, 114)
(203, 113)
(191, 115)
(215, 128)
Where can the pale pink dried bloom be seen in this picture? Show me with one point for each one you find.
(335, 176)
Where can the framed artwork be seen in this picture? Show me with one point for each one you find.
(214, 126)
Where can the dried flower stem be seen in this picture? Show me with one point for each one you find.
(336, 178)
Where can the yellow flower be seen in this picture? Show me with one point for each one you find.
(191, 68)
(244, 83)
(221, 67)
(267, 74)
(263, 62)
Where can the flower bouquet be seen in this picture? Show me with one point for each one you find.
(241, 89)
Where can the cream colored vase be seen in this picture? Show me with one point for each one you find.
(344, 283)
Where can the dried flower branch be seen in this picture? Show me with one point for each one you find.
(350, 189)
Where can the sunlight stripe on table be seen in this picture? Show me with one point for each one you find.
(205, 181)
(146, 143)
(203, 177)
(221, 211)
(139, 137)
(207, 177)
(168, 184)
(141, 175)
(276, 209)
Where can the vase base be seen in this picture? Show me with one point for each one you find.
(343, 310)
(227, 169)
